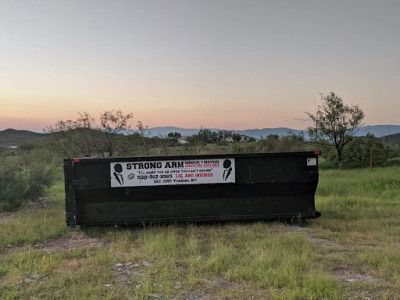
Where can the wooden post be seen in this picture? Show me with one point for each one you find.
(370, 158)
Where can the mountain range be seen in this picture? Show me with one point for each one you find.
(376, 130)
(12, 137)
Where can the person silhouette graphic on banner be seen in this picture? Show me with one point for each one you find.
(227, 169)
(117, 174)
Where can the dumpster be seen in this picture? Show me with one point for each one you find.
(140, 190)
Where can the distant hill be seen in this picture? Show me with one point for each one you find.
(392, 139)
(376, 130)
(391, 133)
(263, 133)
(163, 131)
(379, 130)
(12, 137)
(256, 133)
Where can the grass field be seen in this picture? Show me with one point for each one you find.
(352, 251)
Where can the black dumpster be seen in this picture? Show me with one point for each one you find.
(136, 190)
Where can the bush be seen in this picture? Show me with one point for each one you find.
(39, 178)
(359, 151)
(275, 143)
(23, 178)
(12, 191)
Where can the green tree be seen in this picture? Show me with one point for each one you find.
(76, 137)
(205, 136)
(174, 135)
(83, 137)
(236, 137)
(336, 122)
(224, 134)
(366, 151)
(113, 124)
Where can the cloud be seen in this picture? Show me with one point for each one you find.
(301, 120)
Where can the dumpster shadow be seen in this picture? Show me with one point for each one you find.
(100, 230)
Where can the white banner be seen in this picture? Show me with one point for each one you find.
(169, 172)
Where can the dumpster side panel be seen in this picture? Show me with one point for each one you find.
(267, 186)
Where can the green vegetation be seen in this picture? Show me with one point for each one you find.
(84, 137)
(24, 174)
(350, 252)
(32, 225)
(336, 122)
(26, 171)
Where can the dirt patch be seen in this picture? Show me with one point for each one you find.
(132, 274)
(295, 228)
(74, 241)
(348, 277)
(361, 285)
(43, 202)
(6, 218)
(128, 274)
(223, 283)
(226, 289)
(308, 234)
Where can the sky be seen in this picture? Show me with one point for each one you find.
(206, 63)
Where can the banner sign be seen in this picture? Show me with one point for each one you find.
(169, 172)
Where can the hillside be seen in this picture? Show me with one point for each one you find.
(392, 139)
(379, 130)
(12, 137)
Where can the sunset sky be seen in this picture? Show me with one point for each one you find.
(211, 63)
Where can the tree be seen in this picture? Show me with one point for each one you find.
(113, 124)
(142, 129)
(205, 136)
(83, 137)
(144, 136)
(236, 137)
(336, 122)
(366, 151)
(174, 135)
(76, 137)
(224, 134)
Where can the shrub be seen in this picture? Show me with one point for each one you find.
(23, 178)
(12, 191)
(39, 178)
(361, 150)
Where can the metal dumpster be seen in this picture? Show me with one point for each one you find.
(136, 190)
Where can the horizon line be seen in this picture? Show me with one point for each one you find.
(199, 128)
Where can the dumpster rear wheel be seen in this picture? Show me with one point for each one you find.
(298, 220)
